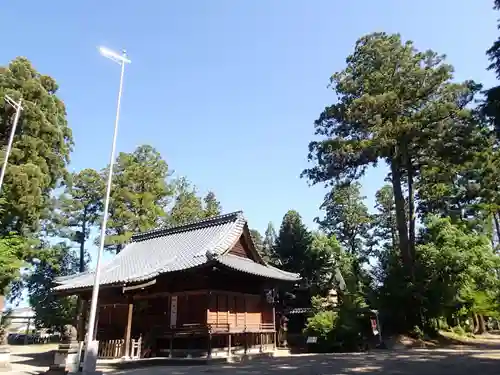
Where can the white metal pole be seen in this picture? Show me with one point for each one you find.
(90, 356)
(11, 138)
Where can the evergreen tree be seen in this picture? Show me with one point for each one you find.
(13, 252)
(52, 311)
(80, 208)
(384, 234)
(347, 218)
(139, 195)
(41, 147)
(397, 105)
(293, 243)
(212, 205)
(187, 207)
(257, 241)
(268, 245)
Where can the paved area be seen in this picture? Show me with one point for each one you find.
(387, 362)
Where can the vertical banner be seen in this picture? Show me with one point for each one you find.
(374, 326)
(173, 311)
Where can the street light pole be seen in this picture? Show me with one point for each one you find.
(90, 358)
(19, 108)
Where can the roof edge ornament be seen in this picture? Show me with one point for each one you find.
(211, 255)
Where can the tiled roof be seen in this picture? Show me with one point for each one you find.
(248, 266)
(174, 249)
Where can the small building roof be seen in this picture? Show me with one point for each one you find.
(178, 248)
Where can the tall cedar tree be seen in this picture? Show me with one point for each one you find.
(188, 206)
(293, 243)
(80, 208)
(268, 245)
(491, 110)
(139, 196)
(491, 106)
(41, 147)
(396, 105)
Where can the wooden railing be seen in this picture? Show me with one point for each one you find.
(249, 327)
(113, 349)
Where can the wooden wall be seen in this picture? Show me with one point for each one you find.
(235, 310)
(241, 249)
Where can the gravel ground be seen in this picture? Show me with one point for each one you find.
(483, 361)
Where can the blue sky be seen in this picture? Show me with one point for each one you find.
(226, 90)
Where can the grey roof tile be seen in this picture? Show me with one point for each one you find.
(173, 249)
(248, 266)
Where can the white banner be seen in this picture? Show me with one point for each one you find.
(173, 311)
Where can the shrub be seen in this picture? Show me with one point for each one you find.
(321, 325)
(417, 333)
(458, 331)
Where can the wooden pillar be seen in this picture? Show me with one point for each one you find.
(229, 345)
(245, 339)
(128, 329)
(261, 336)
(209, 349)
(81, 319)
(27, 332)
(94, 336)
(274, 324)
(170, 355)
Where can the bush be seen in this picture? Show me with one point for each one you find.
(417, 333)
(321, 325)
(458, 331)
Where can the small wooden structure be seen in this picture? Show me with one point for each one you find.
(197, 290)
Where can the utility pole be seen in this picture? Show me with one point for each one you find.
(19, 108)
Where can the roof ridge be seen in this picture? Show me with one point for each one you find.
(159, 232)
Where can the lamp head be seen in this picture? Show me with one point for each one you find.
(112, 55)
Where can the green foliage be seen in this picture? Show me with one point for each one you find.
(268, 244)
(347, 218)
(417, 333)
(139, 195)
(13, 252)
(41, 148)
(80, 208)
(212, 205)
(293, 243)
(458, 330)
(188, 206)
(52, 311)
(321, 325)
(257, 240)
(397, 105)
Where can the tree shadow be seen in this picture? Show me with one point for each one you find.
(43, 359)
(409, 362)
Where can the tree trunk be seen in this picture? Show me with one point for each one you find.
(482, 324)
(497, 227)
(82, 245)
(475, 322)
(80, 302)
(411, 210)
(401, 222)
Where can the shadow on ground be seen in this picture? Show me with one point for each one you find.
(407, 362)
(411, 362)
